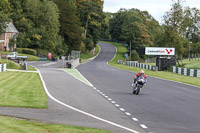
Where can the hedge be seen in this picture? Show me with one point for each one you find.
(26, 51)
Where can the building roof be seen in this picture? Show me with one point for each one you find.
(11, 28)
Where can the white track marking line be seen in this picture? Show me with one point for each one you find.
(117, 105)
(135, 119)
(113, 102)
(122, 109)
(127, 113)
(84, 78)
(143, 126)
(80, 111)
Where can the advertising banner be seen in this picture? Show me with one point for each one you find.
(159, 51)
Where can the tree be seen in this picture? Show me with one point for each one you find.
(37, 22)
(174, 27)
(4, 14)
(70, 28)
(12, 43)
(92, 20)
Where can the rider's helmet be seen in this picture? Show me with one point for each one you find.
(142, 72)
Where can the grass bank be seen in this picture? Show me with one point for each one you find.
(192, 64)
(88, 55)
(160, 74)
(31, 57)
(13, 65)
(16, 125)
(20, 89)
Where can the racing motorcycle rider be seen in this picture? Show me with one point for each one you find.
(139, 75)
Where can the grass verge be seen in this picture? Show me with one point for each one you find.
(192, 64)
(31, 57)
(20, 89)
(160, 74)
(16, 125)
(88, 55)
(13, 65)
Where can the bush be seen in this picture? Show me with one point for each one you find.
(19, 50)
(45, 52)
(135, 56)
(29, 51)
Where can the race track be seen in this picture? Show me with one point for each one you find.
(163, 106)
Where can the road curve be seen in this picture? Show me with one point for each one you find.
(74, 103)
(163, 106)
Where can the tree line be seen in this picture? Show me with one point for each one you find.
(180, 29)
(57, 26)
(60, 26)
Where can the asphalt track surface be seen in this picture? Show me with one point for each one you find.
(163, 106)
(70, 91)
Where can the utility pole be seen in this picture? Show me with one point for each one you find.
(130, 50)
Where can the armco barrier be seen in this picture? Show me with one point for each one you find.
(186, 72)
(140, 65)
(2, 67)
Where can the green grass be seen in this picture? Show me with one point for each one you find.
(76, 74)
(31, 57)
(13, 65)
(192, 64)
(120, 52)
(20, 89)
(159, 74)
(16, 125)
(88, 55)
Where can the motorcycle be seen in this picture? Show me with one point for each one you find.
(138, 85)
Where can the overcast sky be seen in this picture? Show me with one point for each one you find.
(156, 8)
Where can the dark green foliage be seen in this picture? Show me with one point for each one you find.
(4, 15)
(70, 28)
(19, 50)
(135, 56)
(29, 51)
(92, 20)
(26, 51)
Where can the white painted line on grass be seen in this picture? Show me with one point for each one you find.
(143, 126)
(80, 111)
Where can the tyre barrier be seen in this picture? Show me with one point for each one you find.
(186, 72)
(2, 67)
(140, 65)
